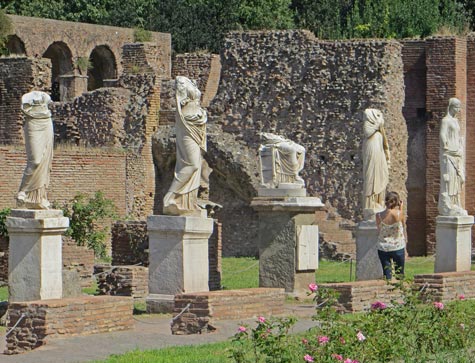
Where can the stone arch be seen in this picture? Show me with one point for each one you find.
(103, 67)
(15, 45)
(62, 65)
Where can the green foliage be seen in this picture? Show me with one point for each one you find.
(406, 330)
(3, 293)
(4, 213)
(83, 64)
(85, 215)
(142, 35)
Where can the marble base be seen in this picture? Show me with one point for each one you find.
(282, 192)
(178, 254)
(453, 243)
(368, 266)
(35, 258)
(288, 242)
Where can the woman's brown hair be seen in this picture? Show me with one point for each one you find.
(392, 200)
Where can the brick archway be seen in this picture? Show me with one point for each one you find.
(15, 45)
(62, 64)
(103, 66)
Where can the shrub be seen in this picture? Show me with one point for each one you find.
(142, 35)
(6, 29)
(4, 213)
(85, 216)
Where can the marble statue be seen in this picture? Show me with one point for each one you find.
(452, 174)
(281, 162)
(39, 137)
(376, 160)
(190, 124)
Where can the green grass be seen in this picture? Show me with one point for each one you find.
(4, 293)
(208, 353)
(240, 273)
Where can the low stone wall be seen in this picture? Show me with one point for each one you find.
(359, 295)
(447, 286)
(123, 281)
(51, 319)
(220, 305)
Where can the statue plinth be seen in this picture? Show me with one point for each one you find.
(453, 243)
(35, 259)
(368, 266)
(178, 258)
(288, 242)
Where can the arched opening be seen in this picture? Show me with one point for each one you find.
(102, 66)
(15, 45)
(61, 61)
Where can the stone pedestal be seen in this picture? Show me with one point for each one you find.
(35, 261)
(178, 258)
(368, 266)
(453, 243)
(288, 242)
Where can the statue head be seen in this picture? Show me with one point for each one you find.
(454, 106)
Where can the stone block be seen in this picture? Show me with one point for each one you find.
(368, 266)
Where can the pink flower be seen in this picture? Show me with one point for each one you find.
(337, 356)
(322, 340)
(438, 305)
(378, 305)
(313, 287)
(304, 341)
(461, 297)
(242, 329)
(308, 358)
(342, 340)
(348, 360)
(360, 336)
(261, 319)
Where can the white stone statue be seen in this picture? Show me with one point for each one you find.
(376, 161)
(190, 123)
(452, 174)
(281, 162)
(39, 137)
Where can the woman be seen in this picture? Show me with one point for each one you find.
(391, 239)
(190, 123)
(375, 159)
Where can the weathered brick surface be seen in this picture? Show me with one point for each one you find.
(122, 281)
(129, 243)
(51, 319)
(447, 286)
(204, 307)
(79, 259)
(215, 250)
(81, 39)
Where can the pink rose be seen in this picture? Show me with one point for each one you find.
(360, 336)
(337, 356)
(378, 305)
(304, 341)
(242, 329)
(348, 360)
(461, 297)
(261, 319)
(313, 287)
(322, 340)
(438, 305)
(308, 358)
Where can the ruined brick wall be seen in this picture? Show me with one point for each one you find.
(74, 170)
(129, 243)
(38, 34)
(19, 75)
(313, 92)
(414, 111)
(79, 259)
(446, 77)
(470, 131)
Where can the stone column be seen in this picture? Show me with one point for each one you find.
(368, 266)
(453, 243)
(288, 242)
(178, 258)
(35, 262)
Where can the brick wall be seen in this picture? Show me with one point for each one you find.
(129, 243)
(215, 250)
(414, 111)
(74, 170)
(446, 77)
(123, 281)
(447, 286)
(79, 259)
(80, 38)
(470, 124)
(51, 319)
(224, 305)
(19, 75)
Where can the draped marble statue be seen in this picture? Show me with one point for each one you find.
(376, 160)
(190, 124)
(39, 137)
(452, 174)
(281, 162)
